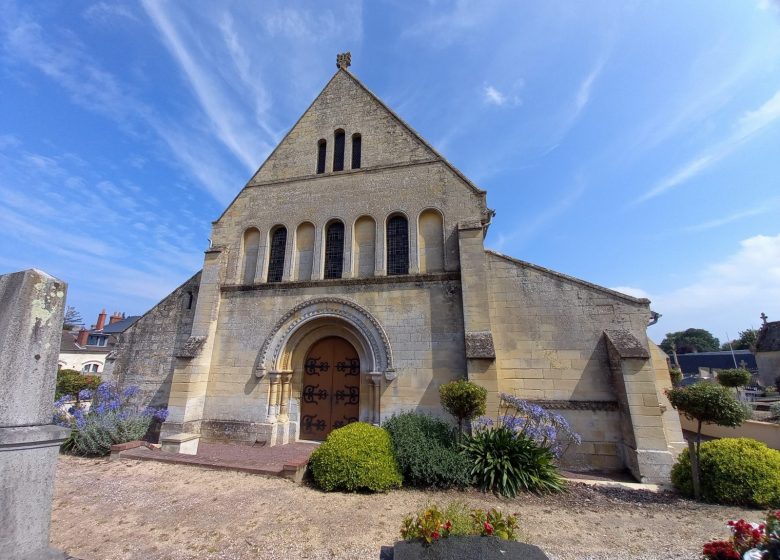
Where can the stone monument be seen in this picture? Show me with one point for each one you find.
(31, 313)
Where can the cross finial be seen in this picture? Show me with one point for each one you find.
(764, 317)
(344, 60)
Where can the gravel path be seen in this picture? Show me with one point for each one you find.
(154, 511)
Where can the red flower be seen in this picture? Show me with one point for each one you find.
(488, 528)
(435, 535)
(448, 526)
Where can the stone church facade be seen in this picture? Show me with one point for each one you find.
(349, 279)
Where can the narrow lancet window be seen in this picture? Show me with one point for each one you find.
(397, 246)
(356, 148)
(338, 150)
(321, 148)
(334, 250)
(276, 256)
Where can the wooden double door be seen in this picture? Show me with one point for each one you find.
(330, 397)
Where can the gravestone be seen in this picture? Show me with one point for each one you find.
(466, 548)
(31, 313)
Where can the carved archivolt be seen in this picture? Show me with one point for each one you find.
(274, 351)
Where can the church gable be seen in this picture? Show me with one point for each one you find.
(346, 127)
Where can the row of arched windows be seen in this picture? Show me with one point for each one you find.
(430, 247)
(338, 151)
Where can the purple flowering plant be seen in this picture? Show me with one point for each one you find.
(113, 416)
(547, 429)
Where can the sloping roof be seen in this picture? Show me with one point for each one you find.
(690, 363)
(769, 337)
(120, 326)
(436, 157)
(68, 345)
(413, 132)
(563, 276)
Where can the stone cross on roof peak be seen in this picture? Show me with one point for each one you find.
(764, 317)
(344, 60)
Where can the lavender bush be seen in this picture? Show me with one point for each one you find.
(112, 417)
(547, 429)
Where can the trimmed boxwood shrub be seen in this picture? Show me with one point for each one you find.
(426, 451)
(357, 457)
(739, 471)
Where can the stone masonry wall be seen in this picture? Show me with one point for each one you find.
(548, 335)
(145, 353)
(423, 321)
(343, 104)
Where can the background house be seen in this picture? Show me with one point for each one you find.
(86, 350)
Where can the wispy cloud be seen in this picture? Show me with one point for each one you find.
(64, 61)
(750, 124)
(71, 220)
(734, 217)
(493, 96)
(103, 12)
(226, 122)
(542, 219)
(728, 294)
(586, 86)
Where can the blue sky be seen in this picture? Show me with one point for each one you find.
(633, 145)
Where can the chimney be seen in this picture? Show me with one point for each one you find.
(81, 339)
(115, 318)
(101, 321)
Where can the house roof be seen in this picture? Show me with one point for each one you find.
(120, 326)
(769, 337)
(68, 345)
(690, 363)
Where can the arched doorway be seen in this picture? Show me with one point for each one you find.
(330, 394)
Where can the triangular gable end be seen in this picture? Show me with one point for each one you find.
(345, 102)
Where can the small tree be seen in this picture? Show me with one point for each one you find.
(72, 318)
(689, 341)
(463, 399)
(705, 403)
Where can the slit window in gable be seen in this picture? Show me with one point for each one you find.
(357, 142)
(338, 150)
(321, 149)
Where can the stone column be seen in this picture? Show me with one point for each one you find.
(284, 405)
(273, 396)
(319, 250)
(375, 378)
(31, 311)
(289, 249)
(379, 249)
(414, 254)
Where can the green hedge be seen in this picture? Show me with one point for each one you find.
(70, 382)
(357, 457)
(426, 450)
(738, 471)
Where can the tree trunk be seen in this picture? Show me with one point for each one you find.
(693, 451)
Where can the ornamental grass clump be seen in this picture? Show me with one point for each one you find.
(356, 458)
(521, 450)
(427, 452)
(505, 462)
(112, 417)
